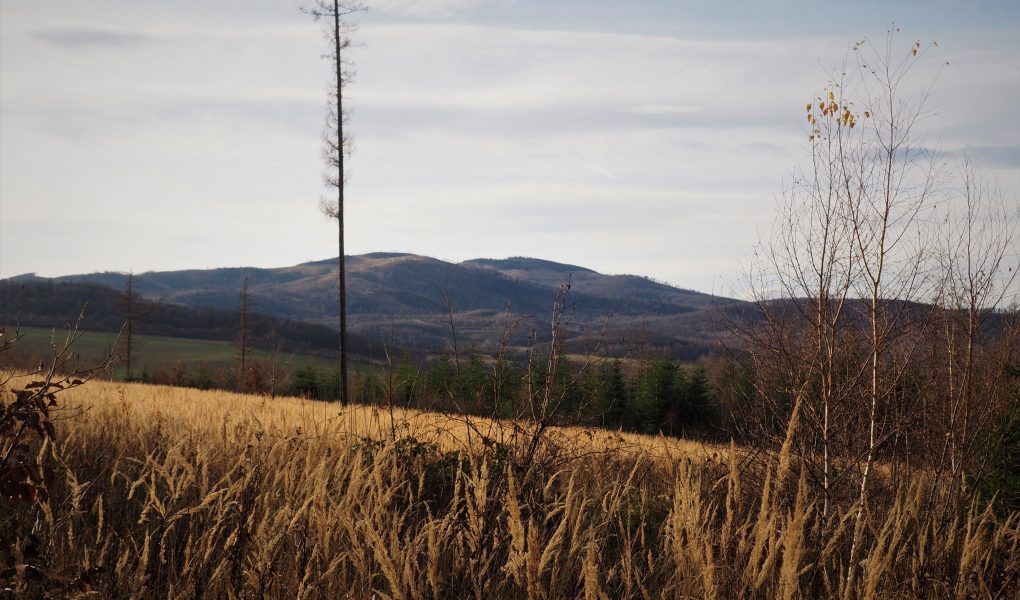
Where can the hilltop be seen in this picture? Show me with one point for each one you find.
(406, 299)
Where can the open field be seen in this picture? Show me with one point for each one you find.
(206, 413)
(156, 352)
(159, 492)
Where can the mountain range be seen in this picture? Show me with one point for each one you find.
(409, 301)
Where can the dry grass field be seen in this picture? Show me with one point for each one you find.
(160, 492)
(206, 413)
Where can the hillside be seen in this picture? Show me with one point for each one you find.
(53, 304)
(401, 298)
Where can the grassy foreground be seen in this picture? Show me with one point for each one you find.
(179, 493)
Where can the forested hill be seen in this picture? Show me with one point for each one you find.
(406, 299)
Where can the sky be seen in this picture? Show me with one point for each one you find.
(629, 137)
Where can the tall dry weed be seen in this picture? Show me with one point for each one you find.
(204, 496)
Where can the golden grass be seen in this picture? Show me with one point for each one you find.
(185, 494)
(210, 412)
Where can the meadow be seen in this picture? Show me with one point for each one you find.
(153, 353)
(160, 492)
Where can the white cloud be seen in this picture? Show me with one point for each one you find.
(663, 109)
(432, 9)
(197, 144)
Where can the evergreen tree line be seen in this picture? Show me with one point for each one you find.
(658, 395)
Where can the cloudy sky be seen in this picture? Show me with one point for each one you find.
(631, 137)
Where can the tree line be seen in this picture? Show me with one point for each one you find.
(658, 395)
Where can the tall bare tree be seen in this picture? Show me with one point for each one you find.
(128, 303)
(852, 284)
(135, 310)
(891, 181)
(243, 334)
(980, 233)
(335, 150)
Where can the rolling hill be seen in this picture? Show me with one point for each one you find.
(54, 305)
(402, 299)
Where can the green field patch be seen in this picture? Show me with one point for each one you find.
(152, 352)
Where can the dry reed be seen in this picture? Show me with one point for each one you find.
(184, 494)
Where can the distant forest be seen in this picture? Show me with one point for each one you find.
(59, 304)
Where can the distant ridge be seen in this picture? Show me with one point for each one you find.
(521, 263)
(401, 297)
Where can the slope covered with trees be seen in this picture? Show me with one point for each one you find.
(407, 299)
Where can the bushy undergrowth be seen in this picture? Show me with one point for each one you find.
(159, 507)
